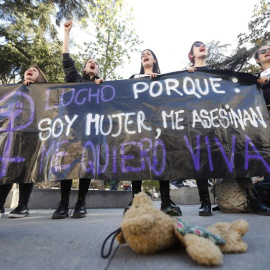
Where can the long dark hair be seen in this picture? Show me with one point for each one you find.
(156, 65)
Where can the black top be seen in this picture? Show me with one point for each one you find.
(203, 68)
(266, 94)
(265, 90)
(71, 73)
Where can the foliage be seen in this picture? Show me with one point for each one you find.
(217, 53)
(257, 35)
(114, 39)
(28, 37)
(66, 9)
(235, 62)
(239, 60)
(70, 9)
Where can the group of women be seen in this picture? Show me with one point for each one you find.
(149, 66)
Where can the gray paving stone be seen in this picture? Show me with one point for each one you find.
(39, 242)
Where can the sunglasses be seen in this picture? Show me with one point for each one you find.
(199, 44)
(264, 51)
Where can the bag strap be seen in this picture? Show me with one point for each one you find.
(114, 234)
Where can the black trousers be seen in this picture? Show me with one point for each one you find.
(84, 184)
(25, 190)
(137, 186)
(202, 184)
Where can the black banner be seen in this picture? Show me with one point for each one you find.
(181, 125)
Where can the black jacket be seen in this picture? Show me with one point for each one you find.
(71, 73)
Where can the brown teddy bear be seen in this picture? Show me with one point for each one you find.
(148, 230)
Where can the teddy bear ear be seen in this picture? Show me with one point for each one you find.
(203, 250)
(241, 226)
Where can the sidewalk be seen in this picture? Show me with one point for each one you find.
(39, 242)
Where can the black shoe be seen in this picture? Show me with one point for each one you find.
(61, 211)
(254, 203)
(263, 210)
(79, 210)
(129, 205)
(19, 212)
(170, 208)
(167, 205)
(2, 210)
(205, 209)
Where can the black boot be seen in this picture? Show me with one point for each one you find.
(254, 203)
(62, 210)
(167, 205)
(205, 209)
(63, 205)
(79, 208)
(136, 188)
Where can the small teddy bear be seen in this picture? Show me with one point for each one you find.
(148, 230)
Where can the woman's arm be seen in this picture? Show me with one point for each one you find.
(264, 80)
(71, 73)
(67, 28)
